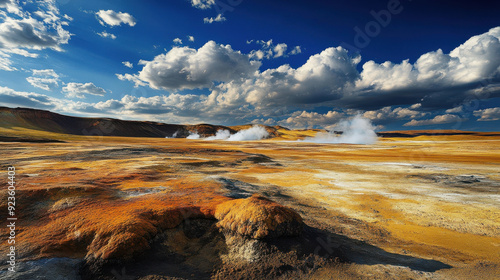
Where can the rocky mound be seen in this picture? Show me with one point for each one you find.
(257, 217)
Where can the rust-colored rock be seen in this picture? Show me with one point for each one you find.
(258, 217)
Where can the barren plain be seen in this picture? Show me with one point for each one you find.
(422, 207)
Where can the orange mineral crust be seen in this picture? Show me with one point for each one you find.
(258, 217)
(404, 207)
(107, 227)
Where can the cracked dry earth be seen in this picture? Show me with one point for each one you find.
(427, 207)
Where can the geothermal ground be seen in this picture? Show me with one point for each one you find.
(424, 207)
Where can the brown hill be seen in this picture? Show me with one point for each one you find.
(53, 122)
(42, 120)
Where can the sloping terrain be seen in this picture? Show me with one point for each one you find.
(52, 122)
(46, 121)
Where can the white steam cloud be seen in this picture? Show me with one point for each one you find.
(357, 130)
(193, 135)
(173, 135)
(254, 133)
(222, 134)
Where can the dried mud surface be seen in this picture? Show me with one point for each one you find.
(425, 207)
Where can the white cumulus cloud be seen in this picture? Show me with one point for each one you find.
(11, 6)
(187, 68)
(27, 99)
(240, 91)
(202, 4)
(22, 32)
(30, 33)
(46, 79)
(306, 119)
(128, 64)
(295, 50)
(439, 119)
(79, 90)
(490, 114)
(390, 114)
(218, 18)
(271, 50)
(105, 34)
(436, 77)
(324, 77)
(113, 18)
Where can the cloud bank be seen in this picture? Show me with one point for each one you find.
(431, 90)
(329, 78)
(384, 92)
(25, 33)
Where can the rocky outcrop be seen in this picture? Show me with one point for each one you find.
(49, 268)
(259, 218)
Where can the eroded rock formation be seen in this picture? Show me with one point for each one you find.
(257, 217)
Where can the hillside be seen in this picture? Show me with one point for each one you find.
(53, 122)
(49, 122)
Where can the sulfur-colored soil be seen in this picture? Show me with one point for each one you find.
(425, 207)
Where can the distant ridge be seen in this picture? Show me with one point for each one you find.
(53, 122)
(445, 132)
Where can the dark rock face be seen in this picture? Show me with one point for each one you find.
(50, 269)
(191, 250)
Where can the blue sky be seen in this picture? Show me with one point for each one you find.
(402, 64)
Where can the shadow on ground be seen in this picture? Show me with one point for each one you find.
(197, 250)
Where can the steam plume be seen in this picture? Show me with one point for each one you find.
(193, 135)
(254, 133)
(357, 130)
